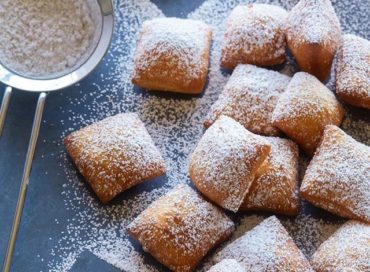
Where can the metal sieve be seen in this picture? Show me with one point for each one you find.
(43, 85)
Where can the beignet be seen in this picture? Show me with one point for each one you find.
(304, 109)
(348, 249)
(249, 97)
(227, 265)
(115, 154)
(353, 71)
(338, 177)
(267, 247)
(172, 55)
(225, 161)
(180, 228)
(313, 35)
(254, 34)
(275, 188)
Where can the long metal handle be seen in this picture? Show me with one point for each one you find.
(25, 179)
(4, 107)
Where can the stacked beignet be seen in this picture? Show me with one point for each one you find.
(267, 247)
(180, 228)
(304, 109)
(348, 249)
(225, 162)
(338, 177)
(275, 188)
(250, 97)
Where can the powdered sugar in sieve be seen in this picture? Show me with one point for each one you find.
(46, 39)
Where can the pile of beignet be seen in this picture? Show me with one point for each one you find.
(245, 161)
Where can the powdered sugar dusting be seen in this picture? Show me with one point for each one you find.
(254, 32)
(180, 228)
(250, 97)
(304, 109)
(115, 154)
(175, 125)
(227, 265)
(353, 70)
(348, 249)
(264, 248)
(276, 189)
(54, 36)
(313, 22)
(338, 177)
(183, 43)
(225, 161)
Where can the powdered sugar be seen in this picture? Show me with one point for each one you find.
(227, 265)
(305, 97)
(225, 161)
(254, 34)
(313, 22)
(115, 154)
(304, 109)
(338, 177)
(183, 43)
(175, 125)
(348, 249)
(180, 228)
(276, 189)
(353, 70)
(264, 248)
(250, 97)
(42, 37)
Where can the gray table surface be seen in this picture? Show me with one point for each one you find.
(38, 231)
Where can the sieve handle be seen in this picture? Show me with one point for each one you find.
(4, 107)
(25, 179)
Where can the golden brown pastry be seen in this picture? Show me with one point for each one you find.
(304, 109)
(225, 161)
(348, 249)
(338, 177)
(249, 97)
(313, 35)
(353, 71)
(267, 247)
(275, 188)
(172, 55)
(227, 265)
(180, 228)
(115, 154)
(255, 35)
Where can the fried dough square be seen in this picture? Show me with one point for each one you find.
(353, 71)
(348, 249)
(225, 162)
(250, 97)
(304, 109)
(180, 228)
(172, 55)
(313, 35)
(338, 176)
(275, 188)
(115, 154)
(254, 34)
(267, 247)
